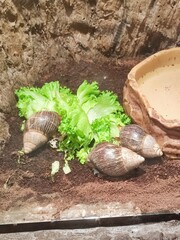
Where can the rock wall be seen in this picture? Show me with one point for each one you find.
(36, 35)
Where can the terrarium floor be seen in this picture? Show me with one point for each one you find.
(32, 195)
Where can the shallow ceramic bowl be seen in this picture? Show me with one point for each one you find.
(151, 96)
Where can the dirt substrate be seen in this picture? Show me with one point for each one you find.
(153, 187)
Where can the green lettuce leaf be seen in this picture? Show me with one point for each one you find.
(51, 97)
(77, 130)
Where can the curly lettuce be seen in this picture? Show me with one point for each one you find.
(89, 116)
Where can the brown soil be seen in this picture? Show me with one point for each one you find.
(152, 187)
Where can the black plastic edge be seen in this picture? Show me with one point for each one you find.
(88, 222)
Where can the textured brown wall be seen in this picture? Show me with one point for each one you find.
(38, 34)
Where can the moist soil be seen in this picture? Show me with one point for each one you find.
(153, 187)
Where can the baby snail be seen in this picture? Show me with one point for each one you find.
(38, 129)
(113, 160)
(135, 138)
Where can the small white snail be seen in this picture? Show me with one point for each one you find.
(113, 160)
(38, 129)
(135, 138)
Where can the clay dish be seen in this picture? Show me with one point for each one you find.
(151, 96)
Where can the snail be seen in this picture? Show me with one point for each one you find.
(113, 160)
(38, 129)
(135, 138)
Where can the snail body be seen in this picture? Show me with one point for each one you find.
(38, 129)
(113, 160)
(135, 138)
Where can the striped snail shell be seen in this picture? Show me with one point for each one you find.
(38, 129)
(135, 138)
(113, 160)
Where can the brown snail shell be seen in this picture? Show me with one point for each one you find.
(113, 160)
(38, 128)
(135, 138)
